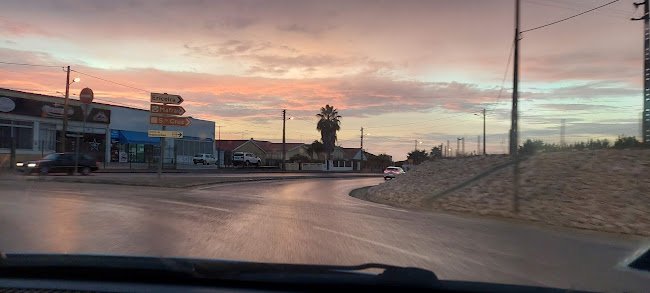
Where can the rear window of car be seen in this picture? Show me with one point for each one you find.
(198, 155)
(392, 169)
(239, 154)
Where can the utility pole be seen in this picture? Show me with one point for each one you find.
(457, 145)
(478, 145)
(219, 150)
(64, 129)
(562, 132)
(361, 159)
(645, 127)
(484, 153)
(448, 150)
(284, 122)
(463, 153)
(416, 144)
(514, 134)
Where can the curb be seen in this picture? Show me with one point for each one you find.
(156, 183)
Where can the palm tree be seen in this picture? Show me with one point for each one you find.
(328, 125)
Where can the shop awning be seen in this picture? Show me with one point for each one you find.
(135, 137)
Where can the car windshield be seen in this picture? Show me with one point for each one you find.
(502, 141)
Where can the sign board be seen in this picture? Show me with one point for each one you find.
(86, 96)
(169, 121)
(86, 108)
(164, 109)
(166, 98)
(165, 133)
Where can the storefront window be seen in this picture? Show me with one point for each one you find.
(23, 132)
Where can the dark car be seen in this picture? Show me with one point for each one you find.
(59, 163)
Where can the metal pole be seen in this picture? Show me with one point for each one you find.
(463, 153)
(484, 153)
(162, 151)
(284, 122)
(219, 150)
(478, 145)
(514, 135)
(457, 145)
(645, 115)
(361, 159)
(64, 129)
(12, 155)
(78, 144)
(448, 150)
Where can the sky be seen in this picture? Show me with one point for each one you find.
(411, 73)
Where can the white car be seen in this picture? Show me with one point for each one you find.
(205, 159)
(245, 159)
(392, 172)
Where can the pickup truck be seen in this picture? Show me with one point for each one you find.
(246, 159)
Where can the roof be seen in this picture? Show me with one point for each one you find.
(228, 145)
(350, 153)
(266, 146)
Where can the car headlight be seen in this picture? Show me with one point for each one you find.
(19, 164)
(31, 165)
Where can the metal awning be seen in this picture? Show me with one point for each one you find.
(135, 137)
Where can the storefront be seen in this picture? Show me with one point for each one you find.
(131, 144)
(33, 124)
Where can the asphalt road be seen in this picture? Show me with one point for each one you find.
(304, 221)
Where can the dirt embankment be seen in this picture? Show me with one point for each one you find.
(604, 190)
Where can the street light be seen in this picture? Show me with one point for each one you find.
(483, 130)
(64, 129)
(284, 120)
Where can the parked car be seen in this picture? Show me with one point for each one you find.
(205, 159)
(245, 159)
(392, 172)
(59, 163)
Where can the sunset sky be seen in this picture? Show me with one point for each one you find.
(403, 70)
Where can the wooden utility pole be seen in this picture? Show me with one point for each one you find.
(284, 122)
(514, 130)
(64, 129)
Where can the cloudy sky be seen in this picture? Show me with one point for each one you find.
(403, 70)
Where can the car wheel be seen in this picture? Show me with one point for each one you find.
(85, 171)
(44, 170)
(194, 162)
(247, 163)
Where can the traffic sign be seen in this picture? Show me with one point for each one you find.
(164, 109)
(169, 121)
(165, 133)
(86, 96)
(166, 98)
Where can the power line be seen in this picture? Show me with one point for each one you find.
(505, 75)
(27, 64)
(570, 17)
(113, 82)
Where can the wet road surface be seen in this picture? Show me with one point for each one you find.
(303, 221)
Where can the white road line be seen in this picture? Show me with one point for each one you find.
(375, 243)
(364, 204)
(194, 205)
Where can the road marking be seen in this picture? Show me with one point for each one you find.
(194, 205)
(362, 203)
(375, 243)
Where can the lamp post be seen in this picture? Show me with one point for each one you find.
(284, 120)
(483, 130)
(65, 107)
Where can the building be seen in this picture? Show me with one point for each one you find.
(269, 152)
(130, 144)
(114, 135)
(35, 123)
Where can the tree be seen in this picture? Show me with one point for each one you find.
(418, 156)
(436, 152)
(624, 142)
(328, 125)
(298, 158)
(378, 162)
(530, 147)
(316, 147)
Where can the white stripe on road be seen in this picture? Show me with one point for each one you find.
(194, 205)
(375, 243)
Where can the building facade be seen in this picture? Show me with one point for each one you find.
(31, 126)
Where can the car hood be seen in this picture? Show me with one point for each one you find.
(163, 270)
